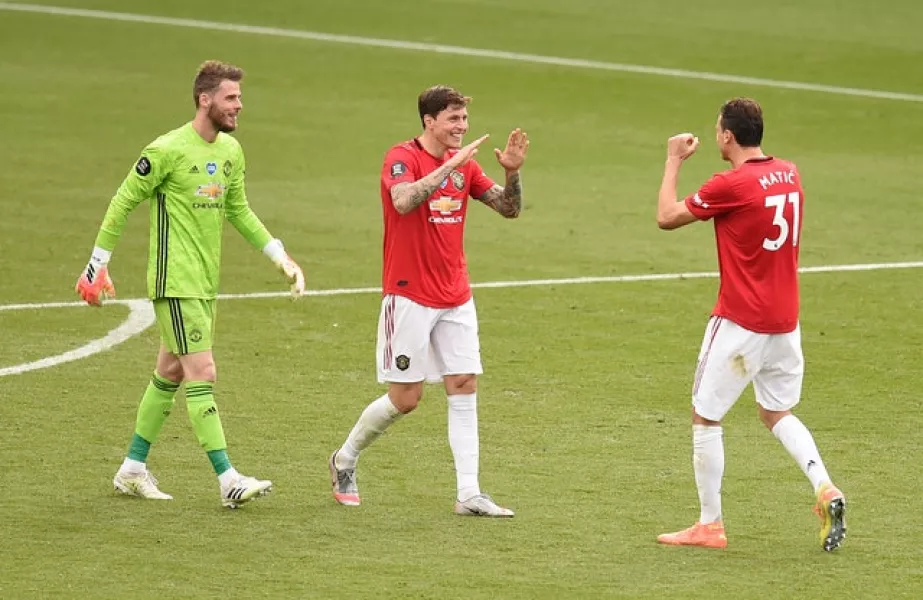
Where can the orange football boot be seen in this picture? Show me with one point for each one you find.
(831, 508)
(707, 535)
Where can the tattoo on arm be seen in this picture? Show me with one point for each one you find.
(505, 200)
(408, 196)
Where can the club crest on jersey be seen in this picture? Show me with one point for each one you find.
(210, 190)
(211, 168)
(226, 169)
(458, 180)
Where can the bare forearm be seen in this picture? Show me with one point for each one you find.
(506, 200)
(511, 201)
(666, 203)
(408, 196)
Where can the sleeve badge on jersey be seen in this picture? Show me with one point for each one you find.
(398, 169)
(143, 168)
(458, 180)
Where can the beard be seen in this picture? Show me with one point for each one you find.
(220, 121)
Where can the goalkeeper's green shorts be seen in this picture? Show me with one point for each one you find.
(186, 325)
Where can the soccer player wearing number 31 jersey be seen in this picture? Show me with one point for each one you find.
(193, 178)
(754, 333)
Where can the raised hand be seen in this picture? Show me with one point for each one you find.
(517, 145)
(467, 152)
(682, 146)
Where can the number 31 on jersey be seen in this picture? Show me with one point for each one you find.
(778, 203)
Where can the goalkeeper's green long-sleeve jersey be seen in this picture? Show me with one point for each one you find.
(192, 185)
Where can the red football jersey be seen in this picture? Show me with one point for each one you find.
(757, 209)
(424, 253)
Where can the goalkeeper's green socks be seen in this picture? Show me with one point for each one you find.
(153, 411)
(203, 413)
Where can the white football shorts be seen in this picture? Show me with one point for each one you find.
(731, 357)
(419, 343)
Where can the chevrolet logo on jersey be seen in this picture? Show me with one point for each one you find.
(210, 190)
(444, 205)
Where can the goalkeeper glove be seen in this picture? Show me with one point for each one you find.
(94, 285)
(276, 252)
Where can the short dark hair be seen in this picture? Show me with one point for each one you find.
(744, 118)
(210, 75)
(438, 98)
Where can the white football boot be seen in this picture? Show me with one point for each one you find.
(481, 506)
(142, 485)
(242, 490)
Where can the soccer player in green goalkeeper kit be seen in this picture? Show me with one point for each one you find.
(194, 178)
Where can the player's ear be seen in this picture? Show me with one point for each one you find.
(428, 121)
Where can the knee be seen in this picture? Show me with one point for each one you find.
(201, 371)
(209, 372)
(461, 384)
(698, 419)
(171, 370)
(405, 397)
(769, 418)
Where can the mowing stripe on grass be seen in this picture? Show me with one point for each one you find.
(539, 59)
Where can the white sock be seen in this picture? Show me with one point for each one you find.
(708, 464)
(377, 416)
(463, 439)
(228, 477)
(130, 465)
(800, 444)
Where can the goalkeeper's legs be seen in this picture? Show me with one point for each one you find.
(156, 404)
(200, 373)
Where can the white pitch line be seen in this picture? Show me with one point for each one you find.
(140, 317)
(141, 313)
(458, 51)
(494, 284)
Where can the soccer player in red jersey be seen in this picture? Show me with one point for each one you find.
(428, 329)
(753, 334)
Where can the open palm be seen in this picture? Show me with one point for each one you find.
(512, 157)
